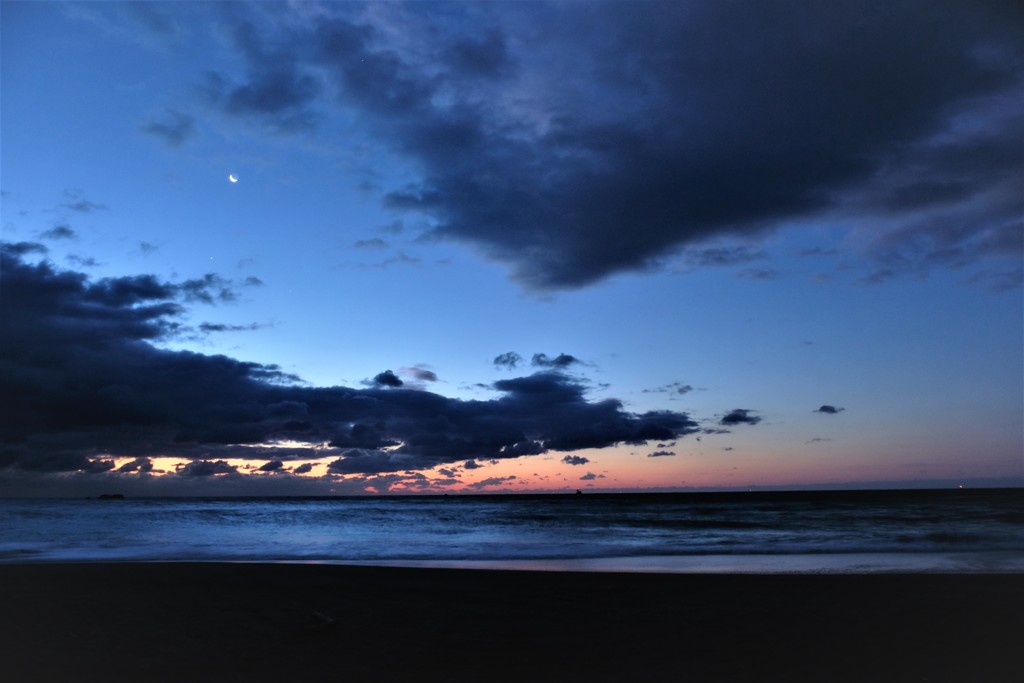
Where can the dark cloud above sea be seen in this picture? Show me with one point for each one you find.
(137, 465)
(206, 468)
(24, 248)
(386, 379)
(420, 373)
(674, 388)
(221, 327)
(561, 361)
(573, 141)
(509, 360)
(84, 380)
(739, 416)
(512, 360)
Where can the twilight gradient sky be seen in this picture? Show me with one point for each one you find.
(510, 246)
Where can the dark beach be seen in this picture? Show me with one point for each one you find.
(273, 622)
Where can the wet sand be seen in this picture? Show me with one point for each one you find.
(266, 622)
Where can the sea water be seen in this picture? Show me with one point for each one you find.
(865, 531)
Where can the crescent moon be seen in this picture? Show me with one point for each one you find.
(232, 177)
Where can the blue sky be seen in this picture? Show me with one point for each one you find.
(706, 207)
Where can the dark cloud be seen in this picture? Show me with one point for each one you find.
(590, 476)
(206, 468)
(271, 466)
(740, 416)
(252, 281)
(520, 448)
(147, 247)
(562, 360)
(509, 361)
(421, 374)
(384, 482)
(387, 379)
(137, 465)
(83, 380)
(220, 327)
(83, 261)
(303, 468)
(829, 410)
(24, 248)
(491, 481)
(575, 460)
(674, 388)
(471, 465)
(210, 288)
(362, 436)
(684, 123)
(97, 466)
(722, 256)
(572, 423)
(276, 90)
(485, 57)
(59, 232)
(660, 454)
(174, 128)
(272, 93)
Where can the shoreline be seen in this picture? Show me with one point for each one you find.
(933, 562)
(210, 621)
(967, 562)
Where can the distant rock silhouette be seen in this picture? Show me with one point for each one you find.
(111, 496)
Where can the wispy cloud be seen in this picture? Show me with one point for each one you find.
(59, 232)
(172, 127)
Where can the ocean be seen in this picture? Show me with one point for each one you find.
(964, 531)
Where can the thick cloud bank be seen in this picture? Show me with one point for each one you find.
(572, 141)
(82, 379)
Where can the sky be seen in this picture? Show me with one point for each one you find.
(342, 248)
